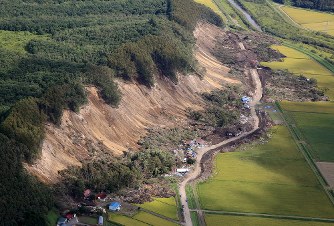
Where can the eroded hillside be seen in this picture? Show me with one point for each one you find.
(98, 127)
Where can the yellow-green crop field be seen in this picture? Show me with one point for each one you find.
(317, 21)
(316, 122)
(152, 220)
(125, 220)
(139, 219)
(211, 5)
(271, 178)
(163, 206)
(215, 219)
(298, 63)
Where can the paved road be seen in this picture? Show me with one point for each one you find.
(197, 168)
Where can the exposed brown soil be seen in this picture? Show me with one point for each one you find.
(98, 127)
(327, 170)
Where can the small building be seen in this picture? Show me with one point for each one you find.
(101, 196)
(69, 216)
(100, 220)
(61, 221)
(115, 206)
(245, 99)
(182, 170)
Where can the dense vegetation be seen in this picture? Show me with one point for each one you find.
(223, 108)
(111, 174)
(324, 5)
(24, 200)
(50, 49)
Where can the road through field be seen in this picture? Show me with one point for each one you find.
(197, 168)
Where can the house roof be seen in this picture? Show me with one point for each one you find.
(114, 205)
(61, 220)
(87, 192)
(101, 195)
(69, 215)
(200, 141)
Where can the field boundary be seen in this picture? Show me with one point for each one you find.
(315, 57)
(284, 15)
(298, 138)
(263, 215)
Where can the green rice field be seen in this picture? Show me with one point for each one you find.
(316, 123)
(163, 206)
(316, 21)
(271, 178)
(299, 63)
(215, 219)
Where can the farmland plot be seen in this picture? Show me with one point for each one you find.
(300, 64)
(215, 219)
(269, 178)
(316, 21)
(163, 206)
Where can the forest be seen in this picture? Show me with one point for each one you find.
(51, 49)
(323, 5)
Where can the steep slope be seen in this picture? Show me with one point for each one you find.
(100, 127)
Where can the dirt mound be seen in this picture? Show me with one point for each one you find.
(99, 127)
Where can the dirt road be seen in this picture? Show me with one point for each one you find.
(197, 168)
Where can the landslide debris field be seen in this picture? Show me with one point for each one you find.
(98, 126)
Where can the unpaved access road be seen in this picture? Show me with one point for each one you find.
(197, 168)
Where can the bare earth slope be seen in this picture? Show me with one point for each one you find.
(100, 127)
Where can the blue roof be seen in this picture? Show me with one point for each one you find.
(61, 220)
(114, 205)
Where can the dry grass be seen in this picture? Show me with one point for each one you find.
(317, 21)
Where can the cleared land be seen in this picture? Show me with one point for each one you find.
(327, 170)
(215, 219)
(317, 21)
(301, 64)
(163, 206)
(269, 178)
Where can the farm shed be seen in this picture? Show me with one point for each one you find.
(245, 99)
(182, 170)
(114, 206)
(101, 196)
(100, 220)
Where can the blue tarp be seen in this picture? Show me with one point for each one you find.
(114, 206)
